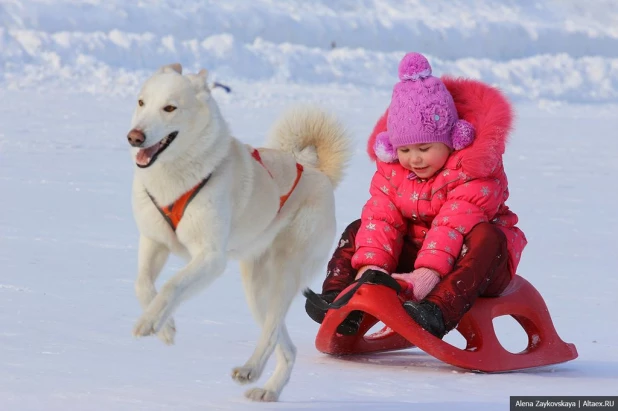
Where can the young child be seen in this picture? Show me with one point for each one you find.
(437, 217)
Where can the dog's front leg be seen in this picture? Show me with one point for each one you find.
(150, 261)
(205, 266)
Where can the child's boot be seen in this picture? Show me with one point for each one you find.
(316, 313)
(351, 324)
(427, 315)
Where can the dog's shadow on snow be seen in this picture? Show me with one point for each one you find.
(398, 359)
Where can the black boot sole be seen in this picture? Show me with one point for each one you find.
(351, 324)
(429, 318)
(315, 313)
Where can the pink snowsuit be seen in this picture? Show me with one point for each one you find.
(435, 214)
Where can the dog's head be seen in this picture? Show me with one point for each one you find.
(171, 111)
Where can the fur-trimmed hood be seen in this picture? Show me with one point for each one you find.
(488, 110)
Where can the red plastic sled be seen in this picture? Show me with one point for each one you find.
(483, 351)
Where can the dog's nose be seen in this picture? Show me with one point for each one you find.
(136, 137)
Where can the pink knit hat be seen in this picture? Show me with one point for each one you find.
(421, 111)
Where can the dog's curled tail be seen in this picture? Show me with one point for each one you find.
(315, 137)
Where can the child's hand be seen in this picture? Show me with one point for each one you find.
(421, 282)
(368, 267)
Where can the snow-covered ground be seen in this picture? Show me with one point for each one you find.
(68, 78)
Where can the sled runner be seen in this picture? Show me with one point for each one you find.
(483, 352)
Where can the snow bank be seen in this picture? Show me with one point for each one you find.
(558, 50)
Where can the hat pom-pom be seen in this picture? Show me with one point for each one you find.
(414, 66)
(383, 148)
(463, 134)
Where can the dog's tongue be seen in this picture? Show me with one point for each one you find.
(145, 155)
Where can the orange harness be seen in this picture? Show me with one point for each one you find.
(299, 172)
(173, 213)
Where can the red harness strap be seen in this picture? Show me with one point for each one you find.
(173, 213)
(299, 172)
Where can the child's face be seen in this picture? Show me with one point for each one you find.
(425, 159)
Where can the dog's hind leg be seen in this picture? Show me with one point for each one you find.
(285, 352)
(290, 279)
(269, 297)
(150, 261)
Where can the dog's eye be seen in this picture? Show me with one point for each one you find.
(140, 102)
(169, 109)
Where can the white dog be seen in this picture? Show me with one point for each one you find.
(201, 194)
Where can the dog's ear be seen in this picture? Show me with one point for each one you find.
(200, 80)
(171, 67)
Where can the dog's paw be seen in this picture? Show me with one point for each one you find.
(260, 394)
(167, 332)
(245, 375)
(144, 326)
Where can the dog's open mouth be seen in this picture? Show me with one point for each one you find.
(146, 156)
